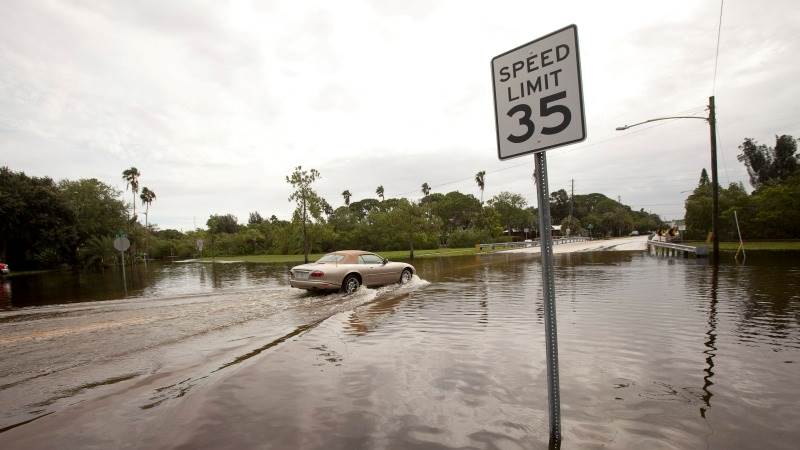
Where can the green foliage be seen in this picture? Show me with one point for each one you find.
(468, 237)
(131, 177)
(96, 252)
(426, 189)
(771, 212)
(98, 211)
(768, 165)
(510, 209)
(571, 226)
(227, 223)
(255, 218)
(37, 226)
(480, 180)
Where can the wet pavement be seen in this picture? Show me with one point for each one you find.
(655, 353)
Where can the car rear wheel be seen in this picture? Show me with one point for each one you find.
(350, 284)
(405, 277)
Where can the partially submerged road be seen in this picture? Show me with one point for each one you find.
(627, 244)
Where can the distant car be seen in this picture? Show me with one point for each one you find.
(347, 270)
(4, 270)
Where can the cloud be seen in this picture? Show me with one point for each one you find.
(216, 103)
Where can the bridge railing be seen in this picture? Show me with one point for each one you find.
(699, 250)
(533, 243)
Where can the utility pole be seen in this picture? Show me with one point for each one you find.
(712, 122)
(571, 196)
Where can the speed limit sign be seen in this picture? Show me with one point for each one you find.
(538, 95)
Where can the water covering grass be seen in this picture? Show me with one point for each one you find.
(393, 255)
(754, 245)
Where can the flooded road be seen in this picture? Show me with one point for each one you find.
(654, 353)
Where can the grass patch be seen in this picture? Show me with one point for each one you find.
(753, 245)
(392, 255)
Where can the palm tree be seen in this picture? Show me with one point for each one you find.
(480, 178)
(147, 196)
(346, 194)
(426, 189)
(131, 177)
(379, 191)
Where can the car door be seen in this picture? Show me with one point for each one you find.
(371, 271)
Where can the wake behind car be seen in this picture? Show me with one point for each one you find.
(347, 270)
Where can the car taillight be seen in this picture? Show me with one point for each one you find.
(317, 274)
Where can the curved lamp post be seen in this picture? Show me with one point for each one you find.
(712, 122)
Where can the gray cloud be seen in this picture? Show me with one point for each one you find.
(217, 103)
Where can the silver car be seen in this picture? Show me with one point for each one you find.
(347, 270)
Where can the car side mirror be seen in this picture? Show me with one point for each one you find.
(385, 261)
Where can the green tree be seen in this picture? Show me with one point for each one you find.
(147, 196)
(769, 165)
(37, 226)
(309, 203)
(455, 210)
(571, 226)
(704, 178)
(511, 209)
(97, 208)
(426, 189)
(559, 205)
(255, 218)
(227, 223)
(480, 179)
(131, 177)
(379, 192)
(346, 194)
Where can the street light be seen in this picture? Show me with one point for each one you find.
(712, 123)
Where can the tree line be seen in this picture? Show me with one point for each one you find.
(47, 224)
(451, 219)
(770, 211)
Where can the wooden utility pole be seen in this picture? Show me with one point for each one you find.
(712, 122)
(571, 196)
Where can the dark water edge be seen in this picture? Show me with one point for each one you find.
(654, 353)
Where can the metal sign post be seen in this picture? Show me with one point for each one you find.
(538, 97)
(121, 244)
(549, 294)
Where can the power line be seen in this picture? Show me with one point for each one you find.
(716, 55)
(577, 147)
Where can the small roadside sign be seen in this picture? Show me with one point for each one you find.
(121, 243)
(538, 95)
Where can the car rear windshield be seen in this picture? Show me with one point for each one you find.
(331, 258)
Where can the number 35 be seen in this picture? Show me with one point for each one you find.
(545, 110)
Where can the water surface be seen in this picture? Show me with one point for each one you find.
(654, 353)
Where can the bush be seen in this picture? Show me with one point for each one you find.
(467, 238)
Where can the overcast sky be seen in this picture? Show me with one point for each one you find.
(216, 102)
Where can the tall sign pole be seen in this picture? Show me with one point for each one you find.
(538, 98)
(549, 294)
(121, 244)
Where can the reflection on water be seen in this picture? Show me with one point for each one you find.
(654, 353)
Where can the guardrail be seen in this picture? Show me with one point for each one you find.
(673, 249)
(515, 245)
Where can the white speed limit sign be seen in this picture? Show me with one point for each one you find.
(538, 95)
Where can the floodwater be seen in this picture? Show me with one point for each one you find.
(654, 353)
